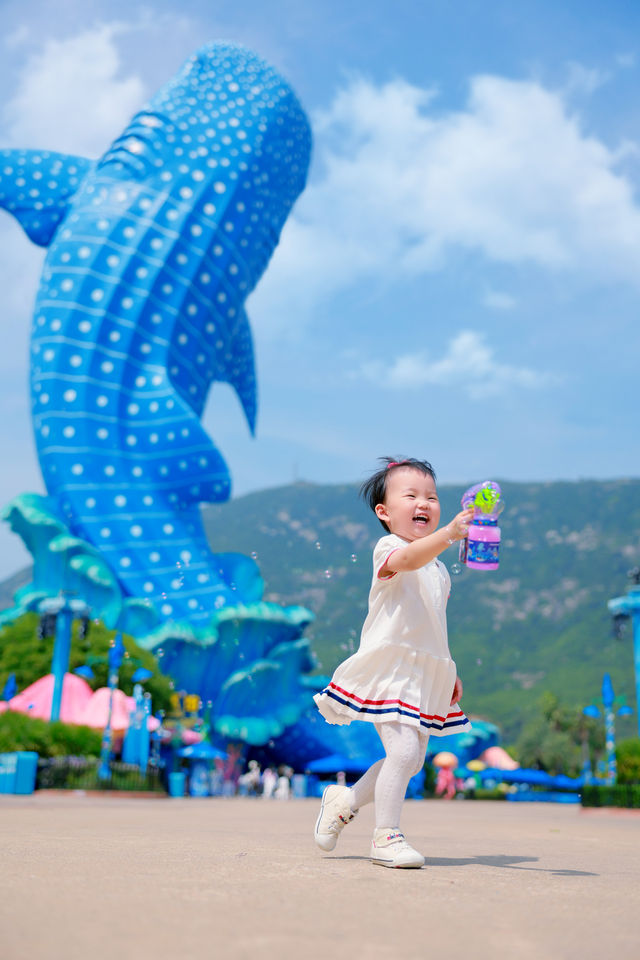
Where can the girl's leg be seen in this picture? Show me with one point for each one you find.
(405, 747)
(364, 790)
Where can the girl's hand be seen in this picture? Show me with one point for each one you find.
(457, 691)
(458, 528)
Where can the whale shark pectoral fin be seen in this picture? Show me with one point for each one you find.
(36, 187)
(240, 370)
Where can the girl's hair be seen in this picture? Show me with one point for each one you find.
(373, 490)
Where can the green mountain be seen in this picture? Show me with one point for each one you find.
(539, 623)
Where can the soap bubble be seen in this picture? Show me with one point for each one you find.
(254, 555)
(354, 558)
(479, 662)
(456, 569)
(159, 653)
(318, 545)
(327, 574)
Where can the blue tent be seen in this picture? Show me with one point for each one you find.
(538, 778)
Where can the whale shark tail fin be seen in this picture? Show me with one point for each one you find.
(36, 187)
(240, 368)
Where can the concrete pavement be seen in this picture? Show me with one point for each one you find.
(101, 876)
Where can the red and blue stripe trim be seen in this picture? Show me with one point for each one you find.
(380, 707)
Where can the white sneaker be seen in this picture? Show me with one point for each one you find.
(335, 814)
(390, 849)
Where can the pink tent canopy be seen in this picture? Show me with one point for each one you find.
(498, 758)
(36, 699)
(96, 711)
(79, 704)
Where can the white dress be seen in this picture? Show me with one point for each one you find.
(403, 669)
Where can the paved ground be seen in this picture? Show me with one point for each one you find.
(116, 877)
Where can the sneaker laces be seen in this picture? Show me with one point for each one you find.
(341, 821)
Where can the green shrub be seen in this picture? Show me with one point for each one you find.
(619, 795)
(18, 731)
(484, 793)
(628, 760)
(23, 653)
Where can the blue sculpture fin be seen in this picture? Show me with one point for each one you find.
(36, 186)
(240, 372)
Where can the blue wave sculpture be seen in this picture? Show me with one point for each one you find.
(152, 251)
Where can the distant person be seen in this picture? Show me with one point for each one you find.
(446, 783)
(283, 788)
(269, 783)
(249, 782)
(402, 677)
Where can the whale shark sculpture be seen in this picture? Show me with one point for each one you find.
(152, 251)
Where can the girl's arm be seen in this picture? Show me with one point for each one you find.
(421, 551)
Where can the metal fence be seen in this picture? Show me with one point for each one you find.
(81, 773)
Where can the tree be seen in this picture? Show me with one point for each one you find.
(559, 738)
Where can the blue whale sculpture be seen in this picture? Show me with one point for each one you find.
(152, 251)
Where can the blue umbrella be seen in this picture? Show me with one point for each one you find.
(201, 751)
(10, 688)
(141, 675)
(85, 672)
(337, 761)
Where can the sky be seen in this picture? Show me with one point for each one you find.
(459, 281)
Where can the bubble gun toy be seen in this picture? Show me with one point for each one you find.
(481, 548)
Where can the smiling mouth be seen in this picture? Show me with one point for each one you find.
(420, 518)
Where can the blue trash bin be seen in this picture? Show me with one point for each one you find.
(18, 772)
(26, 772)
(177, 783)
(8, 769)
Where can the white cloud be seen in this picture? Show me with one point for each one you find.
(70, 96)
(498, 300)
(585, 80)
(399, 185)
(468, 364)
(626, 60)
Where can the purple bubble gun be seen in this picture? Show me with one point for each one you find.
(481, 548)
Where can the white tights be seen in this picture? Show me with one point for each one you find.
(386, 781)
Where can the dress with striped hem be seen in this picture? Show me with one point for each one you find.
(420, 698)
(403, 670)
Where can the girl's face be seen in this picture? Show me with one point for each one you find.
(411, 508)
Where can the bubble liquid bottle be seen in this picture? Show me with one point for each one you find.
(481, 548)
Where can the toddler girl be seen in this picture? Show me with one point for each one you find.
(402, 677)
